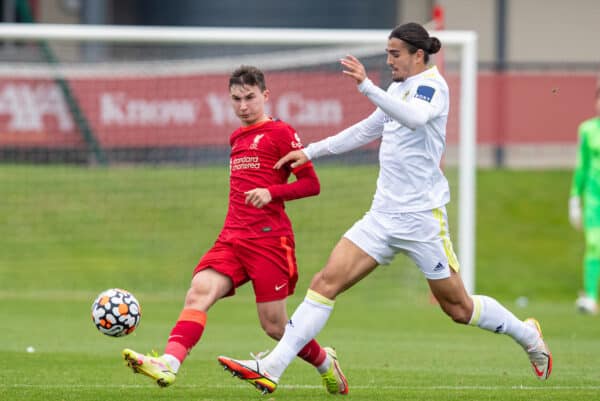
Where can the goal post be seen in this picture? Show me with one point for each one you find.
(372, 41)
(467, 155)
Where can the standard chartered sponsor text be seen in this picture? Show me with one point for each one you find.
(246, 162)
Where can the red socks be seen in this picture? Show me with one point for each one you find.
(189, 328)
(313, 353)
(186, 333)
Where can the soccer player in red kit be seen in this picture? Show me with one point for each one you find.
(256, 243)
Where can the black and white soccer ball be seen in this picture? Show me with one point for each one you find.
(116, 312)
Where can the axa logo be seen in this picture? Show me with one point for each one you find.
(28, 106)
(257, 139)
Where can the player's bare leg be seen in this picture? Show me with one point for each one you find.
(347, 265)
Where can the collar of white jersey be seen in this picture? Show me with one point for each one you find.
(431, 70)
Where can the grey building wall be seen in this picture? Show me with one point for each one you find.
(474, 15)
(268, 13)
(554, 30)
(538, 31)
(550, 32)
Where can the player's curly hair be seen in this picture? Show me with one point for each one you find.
(248, 75)
(416, 37)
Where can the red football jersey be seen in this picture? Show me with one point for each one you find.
(254, 151)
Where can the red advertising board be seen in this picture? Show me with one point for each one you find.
(194, 110)
(531, 108)
(159, 111)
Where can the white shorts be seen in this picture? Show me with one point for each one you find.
(423, 236)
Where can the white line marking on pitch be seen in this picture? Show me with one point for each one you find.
(309, 386)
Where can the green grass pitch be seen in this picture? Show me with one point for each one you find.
(67, 233)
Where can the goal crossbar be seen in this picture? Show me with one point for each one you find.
(164, 34)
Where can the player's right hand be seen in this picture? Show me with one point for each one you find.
(354, 68)
(297, 157)
(258, 197)
(575, 212)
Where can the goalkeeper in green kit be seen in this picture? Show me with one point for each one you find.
(585, 191)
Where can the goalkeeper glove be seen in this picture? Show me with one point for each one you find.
(575, 212)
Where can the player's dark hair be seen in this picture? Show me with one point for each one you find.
(416, 37)
(248, 75)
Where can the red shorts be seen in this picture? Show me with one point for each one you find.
(270, 263)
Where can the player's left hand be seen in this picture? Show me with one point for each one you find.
(296, 157)
(258, 197)
(354, 68)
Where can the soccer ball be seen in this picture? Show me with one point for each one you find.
(116, 312)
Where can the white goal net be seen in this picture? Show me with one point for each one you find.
(116, 94)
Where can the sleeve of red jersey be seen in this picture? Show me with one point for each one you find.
(306, 184)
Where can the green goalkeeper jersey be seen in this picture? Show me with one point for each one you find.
(586, 177)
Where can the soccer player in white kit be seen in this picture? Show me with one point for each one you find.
(408, 213)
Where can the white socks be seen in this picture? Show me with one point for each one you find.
(172, 361)
(312, 314)
(306, 322)
(490, 315)
(324, 367)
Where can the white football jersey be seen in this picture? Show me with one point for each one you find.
(410, 119)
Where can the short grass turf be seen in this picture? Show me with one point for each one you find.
(67, 233)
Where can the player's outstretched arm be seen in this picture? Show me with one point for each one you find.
(306, 184)
(297, 157)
